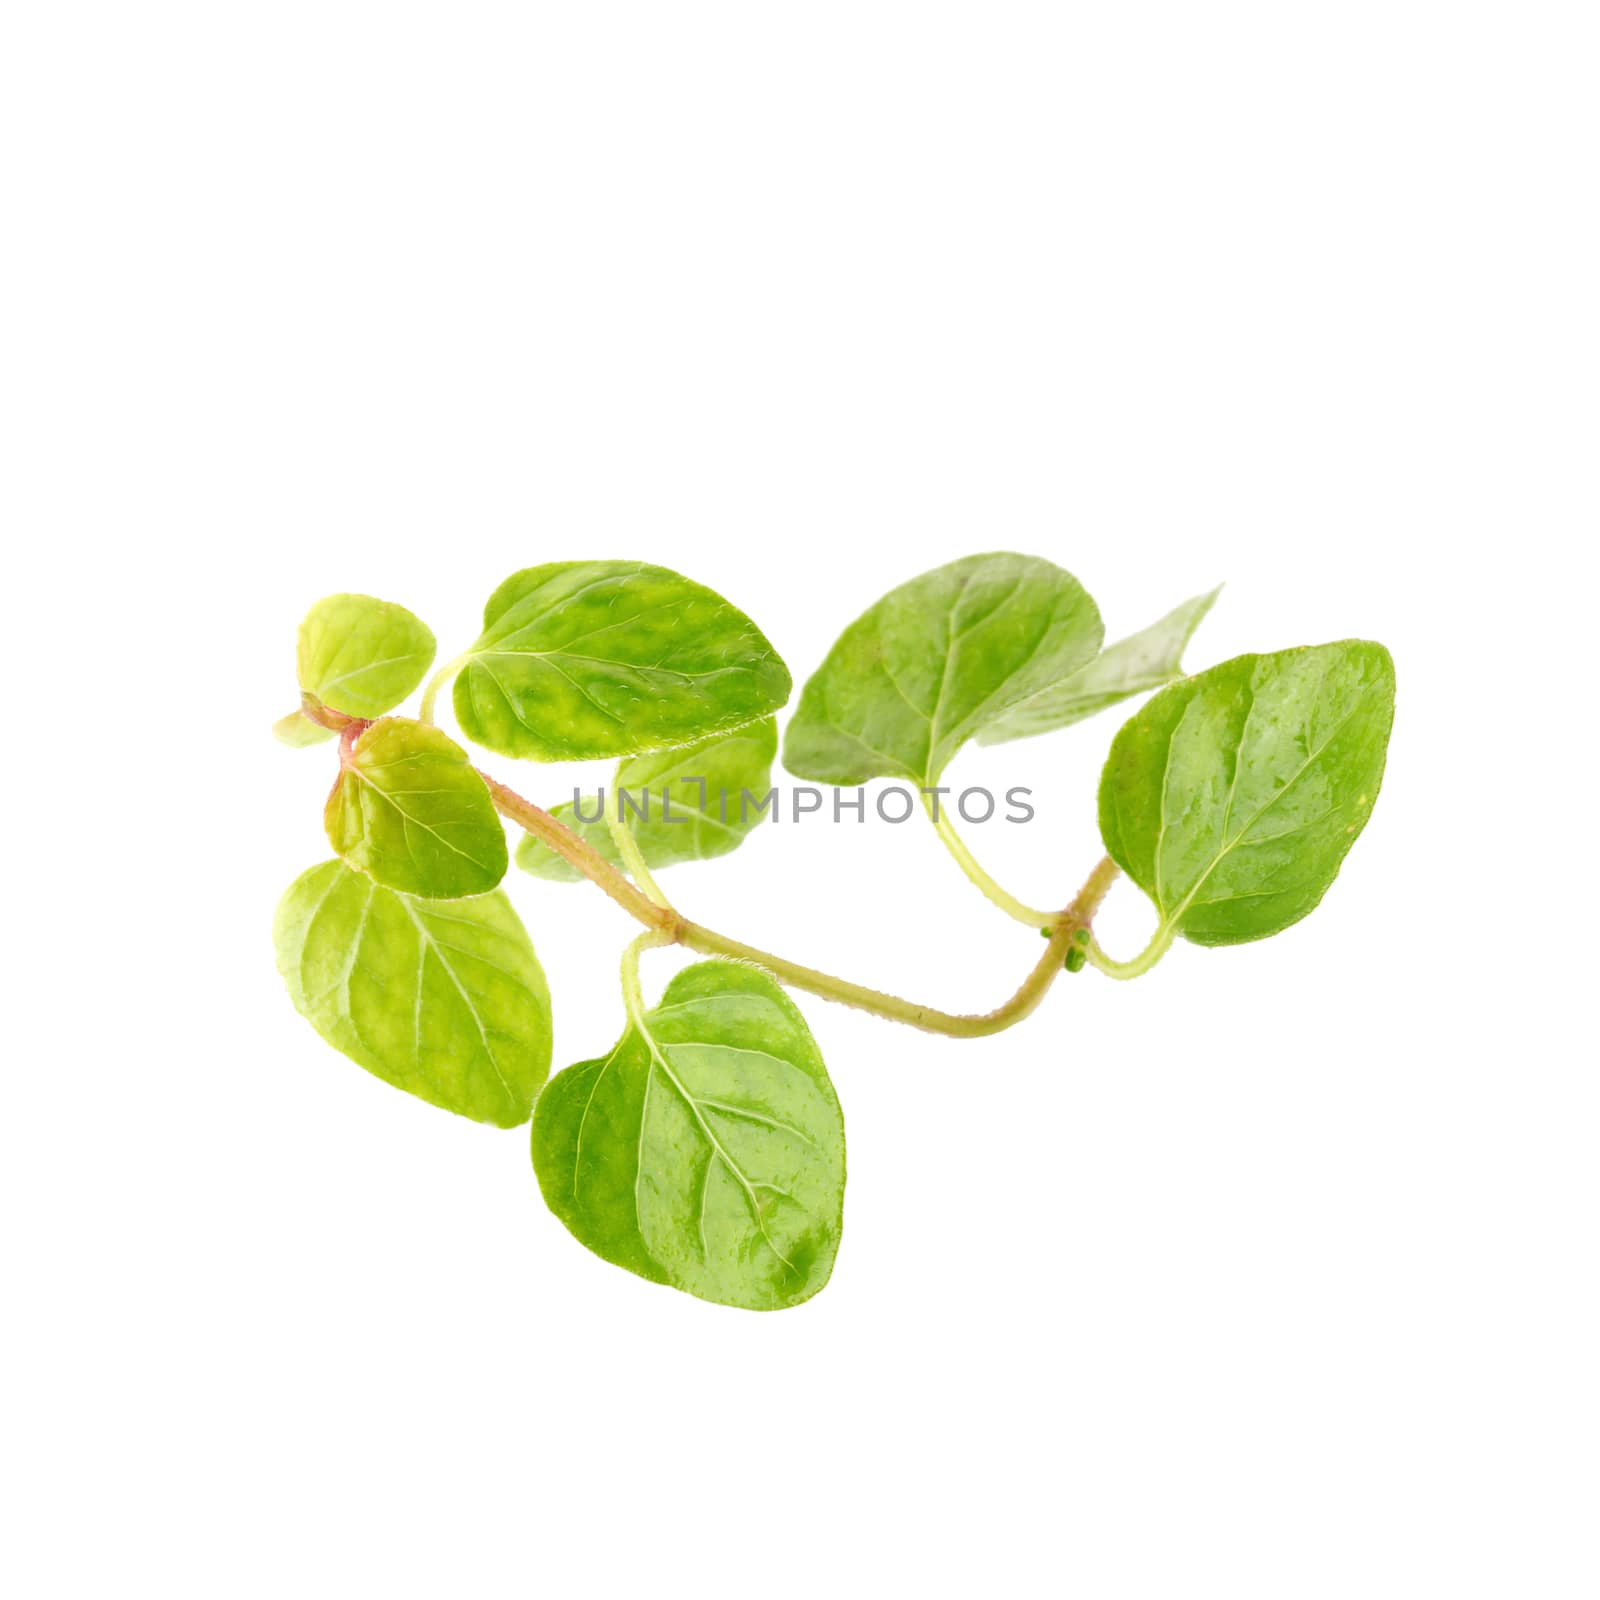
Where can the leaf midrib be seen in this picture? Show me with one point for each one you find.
(658, 1058)
(373, 666)
(429, 943)
(1173, 920)
(388, 796)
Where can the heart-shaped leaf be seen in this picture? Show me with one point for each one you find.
(1142, 661)
(706, 1150)
(409, 810)
(1233, 796)
(609, 658)
(445, 1000)
(362, 656)
(685, 804)
(933, 663)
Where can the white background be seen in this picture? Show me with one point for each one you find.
(1271, 1274)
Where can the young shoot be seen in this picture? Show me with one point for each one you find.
(705, 1150)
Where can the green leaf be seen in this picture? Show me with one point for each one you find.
(610, 658)
(362, 656)
(933, 663)
(1142, 661)
(297, 730)
(706, 1150)
(1232, 797)
(445, 1000)
(409, 810)
(701, 783)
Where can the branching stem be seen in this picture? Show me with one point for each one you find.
(929, 1018)
(667, 926)
(579, 853)
(674, 928)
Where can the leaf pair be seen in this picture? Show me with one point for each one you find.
(991, 647)
(407, 808)
(1231, 798)
(706, 1150)
(577, 659)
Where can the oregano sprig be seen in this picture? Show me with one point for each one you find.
(706, 1149)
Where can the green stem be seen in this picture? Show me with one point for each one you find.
(1159, 944)
(632, 994)
(670, 927)
(929, 1018)
(578, 853)
(632, 856)
(706, 942)
(438, 681)
(957, 846)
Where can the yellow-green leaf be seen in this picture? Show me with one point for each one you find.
(1233, 796)
(445, 1000)
(1143, 661)
(933, 663)
(611, 658)
(409, 810)
(298, 731)
(362, 656)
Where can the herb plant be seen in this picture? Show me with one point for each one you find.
(706, 1150)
